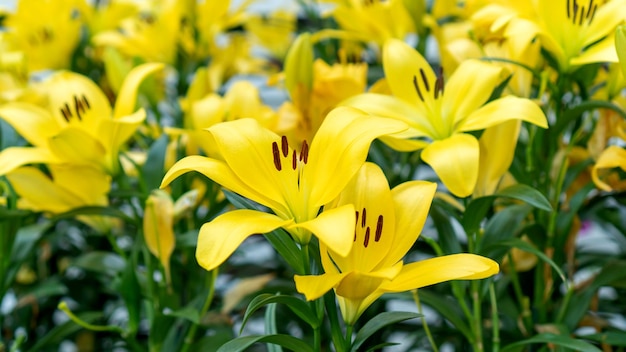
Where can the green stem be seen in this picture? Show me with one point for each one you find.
(416, 298)
(523, 300)
(189, 338)
(477, 321)
(566, 299)
(349, 329)
(494, 319)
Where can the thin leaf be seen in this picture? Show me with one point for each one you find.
(377, 323)
(526, 194)
(289, 342)
(60, 332)
(525, 246)
(448, 308)
(612, 338)
(153, 170)
(101, 262)
(296, 305)
(94, 210)
(270, 326)
(559, 340)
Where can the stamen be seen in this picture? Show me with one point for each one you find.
(284, 146)
(363, 218)
(593, 13)
(379, 228)
(568, 6)
(86, 102)
(575, 8)
(294, 161)
(439, 83)
(590, 8)
(78, 106)
(366, 240)
(304, 152)
(276, 155)
(426, 85)
(582, 15)
(67, 114)
(417, 88)
(357, 217)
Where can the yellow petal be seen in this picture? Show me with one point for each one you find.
(497, 148)
(76, 100)
(435, 270)
(127, 96)
(455, 161)
(219, 172)
(387, 106)
(374, 234)
(315, 286)
(411, 202)
(620, 46)
(77, 146)
(611, 157)
(604, 51)
(33, 123)
(504, 109)
(40, 192)
(340, 147)
(469, 88)
(89, 184)
(14, 157)
(220, 238)
(116, 132)
(299, 67)
(405, 69)
(158, 228)
(334, 228)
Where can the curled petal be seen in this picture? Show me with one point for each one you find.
(220, 238)
(455, 161)
(501, 110)
(612, 157)
(14, 157)
(127, 96)
(335, 228)
(435, 270)
(315, 286)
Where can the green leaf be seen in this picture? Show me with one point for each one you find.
(131, 294)
(559, 340)
(289, 342)
(447, 236)
(525, 246)
(377, 323)
(153, 170)
(270, 326)
(450, 310)
(101, 262)
(526, 194)
(211, 343)
(26, 239)
(502, 226)
(575, 112)
(298, 306)
(94, 210)
(189, 313)
(612, 338)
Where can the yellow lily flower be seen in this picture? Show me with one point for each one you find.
(612, 157)
(388, 222)
(620, 47)
(375, 20)
(441, 117)
(78, 126)
(158, 228)
(47, 36)
(273, 32)
(262, 166)
(577, 33)
(68, 187)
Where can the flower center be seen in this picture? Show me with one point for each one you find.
(75, 108)
(40, 37)
(437, 89)
(281, 156)
(365, 230)
(578, 13)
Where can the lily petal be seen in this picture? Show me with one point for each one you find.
(33, 123)
(455, 161)
(341, 145)
(388, 106)
(76, 100)
(13, 157)
(409, 75)
(620, 46)
(77, 146)
(435, 270)
(40, 192)
(220, 238)
(117, 131)
(127, 96)
(503, 109)
(315, 286)
(469, 88)
(217, 171)
(412, 202)
(611, 157)
(334, 227)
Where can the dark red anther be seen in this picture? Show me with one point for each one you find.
(294, 161)
(417, 88)
(379, 228)
(426, 85)
(304, 152)
(276, 155)
(363, 218)
(86, 102)
(284, 145)
(366, 240)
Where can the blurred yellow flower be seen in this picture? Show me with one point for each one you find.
(158, 228)
(602, 172)
(388, 222)
(262, 166)
(439, 120)
(78, 125)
